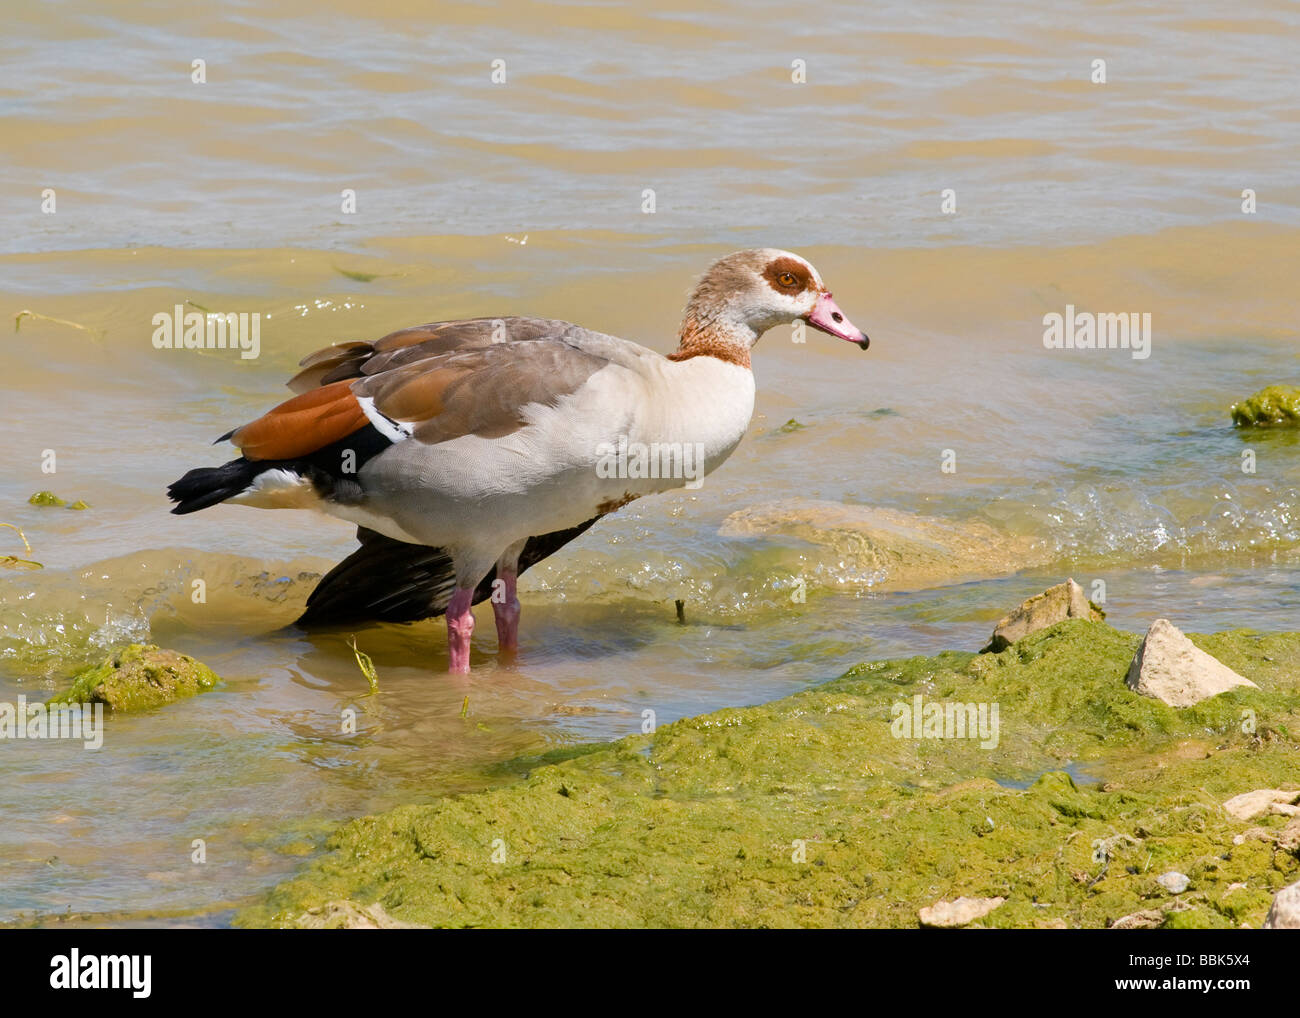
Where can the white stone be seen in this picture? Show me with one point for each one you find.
(1148, 919)
(949, 914)
(348, 915)
(1285, 911)
(1249, 805)
(1170, 668)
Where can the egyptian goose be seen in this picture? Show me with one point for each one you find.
(468, 451)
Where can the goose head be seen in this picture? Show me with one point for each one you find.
(746, 293)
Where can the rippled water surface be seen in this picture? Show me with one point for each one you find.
(476, 198)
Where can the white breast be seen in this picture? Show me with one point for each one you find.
(630, 430)
(701, 401)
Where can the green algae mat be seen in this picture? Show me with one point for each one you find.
(855, 803)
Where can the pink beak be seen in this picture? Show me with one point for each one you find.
(827, 317)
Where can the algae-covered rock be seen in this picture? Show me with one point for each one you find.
(809, 811)
(51, 499)
(1270, 407)
(947, 915)
(1172, 669)
(1055, 604)
(139, 677)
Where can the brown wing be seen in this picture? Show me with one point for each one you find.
(439, 381)
(481, 392)
(300, 426)
(352, 360)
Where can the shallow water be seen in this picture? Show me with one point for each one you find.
(1117, 197)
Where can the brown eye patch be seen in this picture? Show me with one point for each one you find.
(785, 275)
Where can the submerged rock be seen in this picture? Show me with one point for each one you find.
(895, 549)
(1055, 604)
(1249, 805)
(139, 677)
(947, 915)
(1270, 407)
(1284, 913)
(1174, 882)
(1172, 669)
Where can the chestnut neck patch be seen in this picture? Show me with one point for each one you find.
(698, 339)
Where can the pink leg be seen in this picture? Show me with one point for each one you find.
(505, 606)
(460, 627)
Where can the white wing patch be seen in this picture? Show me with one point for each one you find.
(390, 429)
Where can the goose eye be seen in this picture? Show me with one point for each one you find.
(786, 279)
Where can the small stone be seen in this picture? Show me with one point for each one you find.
(347, 915)
(1147, 919)
(951, 914)
(1249, 805)
(1288, 839)
(1173, 881)
(1284, 914)
(1172, 669)
(1055, 604)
